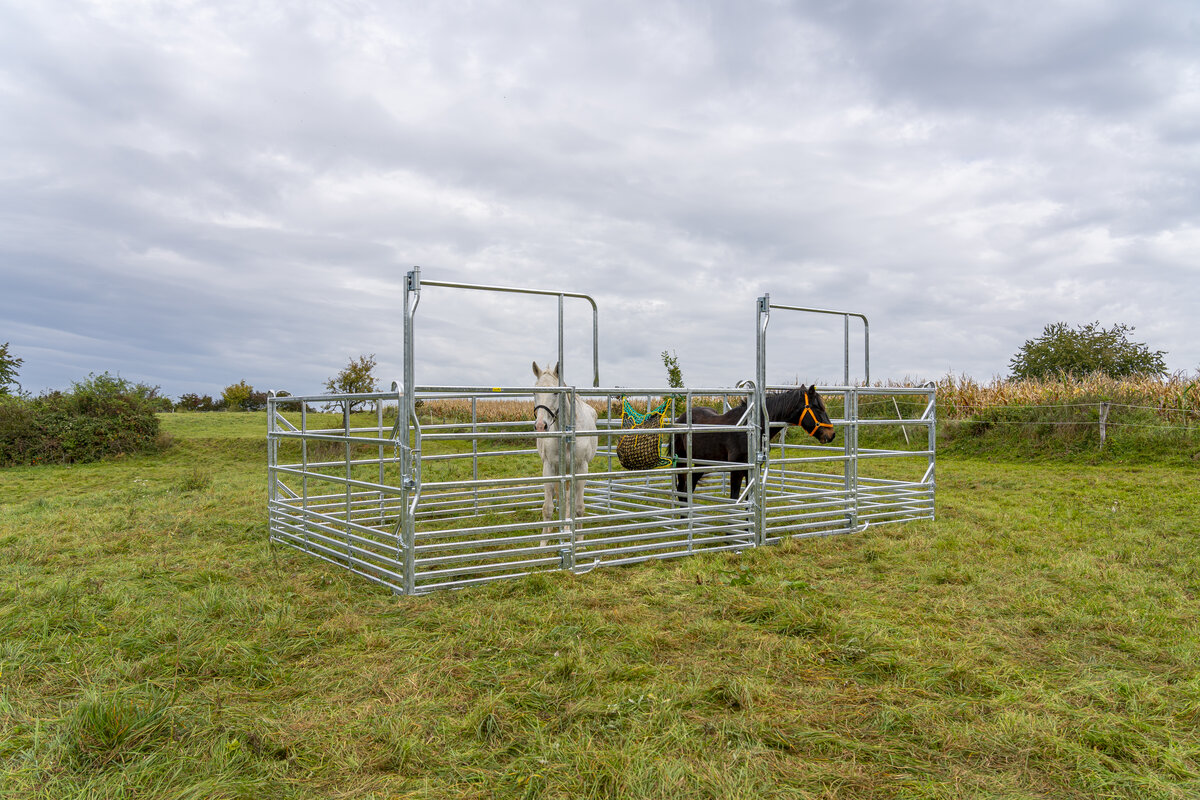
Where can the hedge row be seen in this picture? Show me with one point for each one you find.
(101, 417)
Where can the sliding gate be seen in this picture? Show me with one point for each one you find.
(429, 487)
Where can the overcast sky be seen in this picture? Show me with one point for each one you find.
(197, 193)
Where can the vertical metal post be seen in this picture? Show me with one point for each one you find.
(475, 453)
(407, 408)
(851, 471)
(349, 476)
(851, 445)
(595, 346)
(866, 349)
(687, 476)
(304, 469)
(846, 349)
(900, 416)
(608, 446)
(561, 365)
(762, 319)
(932, 468)
(761, 425)
(569, 492)
(1103, 422)
(757, 471)
(272, 463)
(379, 431)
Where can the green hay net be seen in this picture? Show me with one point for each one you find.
(642, 450)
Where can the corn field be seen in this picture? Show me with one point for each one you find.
(963, 397)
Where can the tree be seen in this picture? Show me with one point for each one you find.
(357, 378)
(237, 396)
(674, 374)
(8, 369)
(194, 402)
(1084, 350)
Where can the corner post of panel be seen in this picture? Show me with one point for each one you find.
(272, 464)
(561, 365)
(595, 342)
(572, 495)
(866, 349)
(931, 470)
(762, 436)
(406, 410)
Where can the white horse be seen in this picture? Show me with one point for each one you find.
(548, 417)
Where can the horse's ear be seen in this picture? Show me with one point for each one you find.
(557, 364)
(537, 373)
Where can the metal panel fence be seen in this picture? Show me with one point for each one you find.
(456, 501)
(474, 499)
(880, 469)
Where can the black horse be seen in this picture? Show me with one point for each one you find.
(800, 406)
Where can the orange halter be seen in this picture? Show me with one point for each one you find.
(817, 424)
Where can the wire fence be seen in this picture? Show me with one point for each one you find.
(1105, 416)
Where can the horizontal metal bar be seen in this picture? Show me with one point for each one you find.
(310, 520)
(397, 588)
(293, 399)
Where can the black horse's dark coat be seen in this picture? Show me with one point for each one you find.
(731, 446)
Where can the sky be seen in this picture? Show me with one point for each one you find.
(194, 194)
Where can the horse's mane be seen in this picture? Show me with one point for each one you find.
(787, 404)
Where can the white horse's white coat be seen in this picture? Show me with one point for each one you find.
(548, 417)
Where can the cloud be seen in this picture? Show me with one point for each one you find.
(195, 194)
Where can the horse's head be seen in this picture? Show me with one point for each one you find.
(814, 419)
(545, 404)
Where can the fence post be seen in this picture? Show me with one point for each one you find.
(900, 416)
(1103, 422)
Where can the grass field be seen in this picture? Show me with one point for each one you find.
(1039, 640)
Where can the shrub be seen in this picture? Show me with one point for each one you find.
(194, 402)
(100, 417)
(20, 439)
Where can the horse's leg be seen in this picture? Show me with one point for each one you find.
(580, 485)
(551, 491)
(695, 480)
(681, 482)
(581, 471)
(735, 483)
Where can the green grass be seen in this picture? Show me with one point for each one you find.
(1039, 640)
